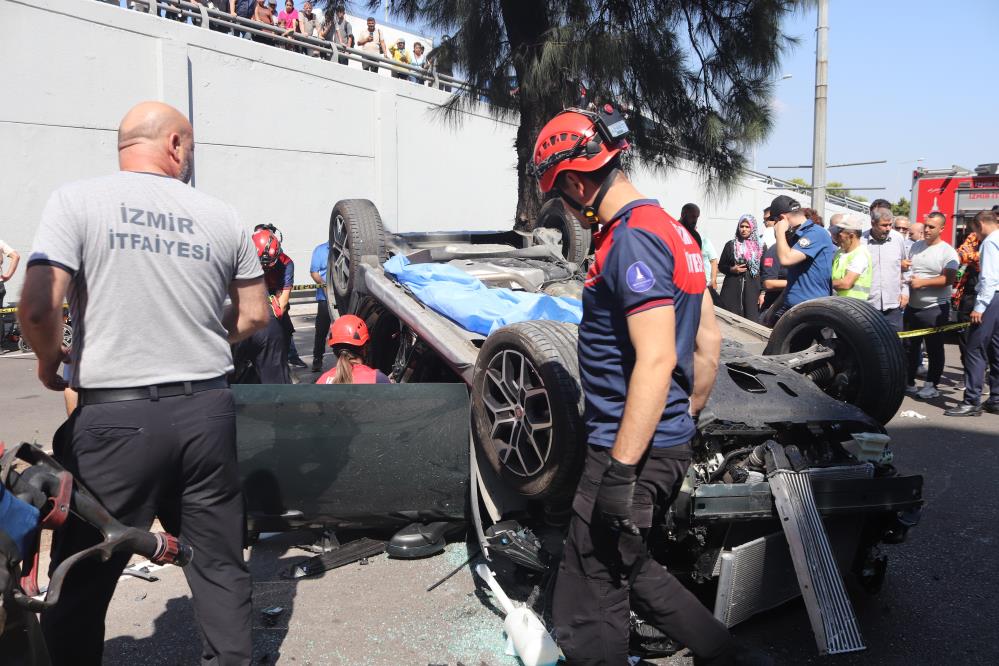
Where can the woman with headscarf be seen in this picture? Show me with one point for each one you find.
(740, 262)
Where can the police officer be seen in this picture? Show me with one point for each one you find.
(806, 250)
(147, 263)
(648, 354)
(267, 348)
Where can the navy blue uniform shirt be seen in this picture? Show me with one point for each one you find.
(811, 278)
(644, 259)
(280, 276)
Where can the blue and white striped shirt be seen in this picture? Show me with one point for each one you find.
(988, 277)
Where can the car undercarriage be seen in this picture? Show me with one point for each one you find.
(792, 484)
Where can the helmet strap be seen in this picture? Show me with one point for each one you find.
(590, 212)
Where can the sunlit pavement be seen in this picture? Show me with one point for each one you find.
(938, 604)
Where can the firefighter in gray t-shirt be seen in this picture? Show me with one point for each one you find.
(147, 263)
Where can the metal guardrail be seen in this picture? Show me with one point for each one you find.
(206, 17)
(780, 183)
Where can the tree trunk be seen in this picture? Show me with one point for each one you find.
(526, 25)
(528, 193)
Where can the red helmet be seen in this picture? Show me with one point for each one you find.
(268, 247)
(348, 330)
(578, 140)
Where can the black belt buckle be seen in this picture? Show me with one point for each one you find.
(188, 390)
(154, 393)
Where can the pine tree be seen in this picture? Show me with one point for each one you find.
(695, 75)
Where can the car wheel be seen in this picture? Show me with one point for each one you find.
(868, 368)
(23, 346)
(384, 329)
(527, 407)
(557, 226)
(356, 230)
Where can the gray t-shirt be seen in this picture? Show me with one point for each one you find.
(929, 261)
(151, 260)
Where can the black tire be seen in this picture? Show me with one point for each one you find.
(551, 467)
(22, 345)
(356, 230)
(869, 367)
(575, 240)
(383, 327)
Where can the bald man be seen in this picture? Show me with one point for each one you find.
(147, 263)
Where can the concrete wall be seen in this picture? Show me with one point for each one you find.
(280, 135)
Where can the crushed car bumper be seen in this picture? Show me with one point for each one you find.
(754, 501)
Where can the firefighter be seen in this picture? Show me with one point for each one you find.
(154, 435)
(348, 340)
(267, 349)
(646, 328)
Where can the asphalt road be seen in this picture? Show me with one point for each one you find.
(938, 604)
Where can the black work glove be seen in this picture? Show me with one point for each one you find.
(617, 489)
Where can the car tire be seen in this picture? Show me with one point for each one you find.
(356, 230)
(573, 239)
(383, 329)
(869, 367)
(527, 408)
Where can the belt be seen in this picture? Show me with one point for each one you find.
(154, 392)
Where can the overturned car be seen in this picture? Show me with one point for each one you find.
(792, 484)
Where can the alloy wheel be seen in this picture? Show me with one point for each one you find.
(340, 254)
(519, 412)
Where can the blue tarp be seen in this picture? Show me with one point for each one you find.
(475, 307)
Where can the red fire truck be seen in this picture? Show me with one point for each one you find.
(958, 193)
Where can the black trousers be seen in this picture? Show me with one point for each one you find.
(322, 331)
(175, 459)
(268, 349)
(983, 351)
(3, 317)
(894, 318)
(604, 574)
(930, 317)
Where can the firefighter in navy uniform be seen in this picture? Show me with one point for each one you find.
(348, 340)
(154, 435)
(268, 348)
(649, 346)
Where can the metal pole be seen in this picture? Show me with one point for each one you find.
(821, 97)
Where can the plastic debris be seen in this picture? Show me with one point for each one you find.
(271, 614)
(911, 414)
(525, 631)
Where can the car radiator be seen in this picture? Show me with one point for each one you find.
(754, 576)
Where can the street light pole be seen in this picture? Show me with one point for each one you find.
(821, 98)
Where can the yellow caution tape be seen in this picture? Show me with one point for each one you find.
(297, 287)
(3, 311)
(937, 329)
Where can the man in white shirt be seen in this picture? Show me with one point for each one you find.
(6, 253)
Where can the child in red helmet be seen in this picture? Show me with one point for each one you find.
(348, 339)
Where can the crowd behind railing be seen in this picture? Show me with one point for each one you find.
(327, 35)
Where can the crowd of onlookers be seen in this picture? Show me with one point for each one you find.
(904, 269)
(282, 27)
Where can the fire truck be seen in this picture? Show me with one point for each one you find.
(957, 192)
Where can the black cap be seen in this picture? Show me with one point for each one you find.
(782, 204)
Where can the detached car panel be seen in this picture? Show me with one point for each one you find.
(376, 455)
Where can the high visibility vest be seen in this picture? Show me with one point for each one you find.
(862, 286)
